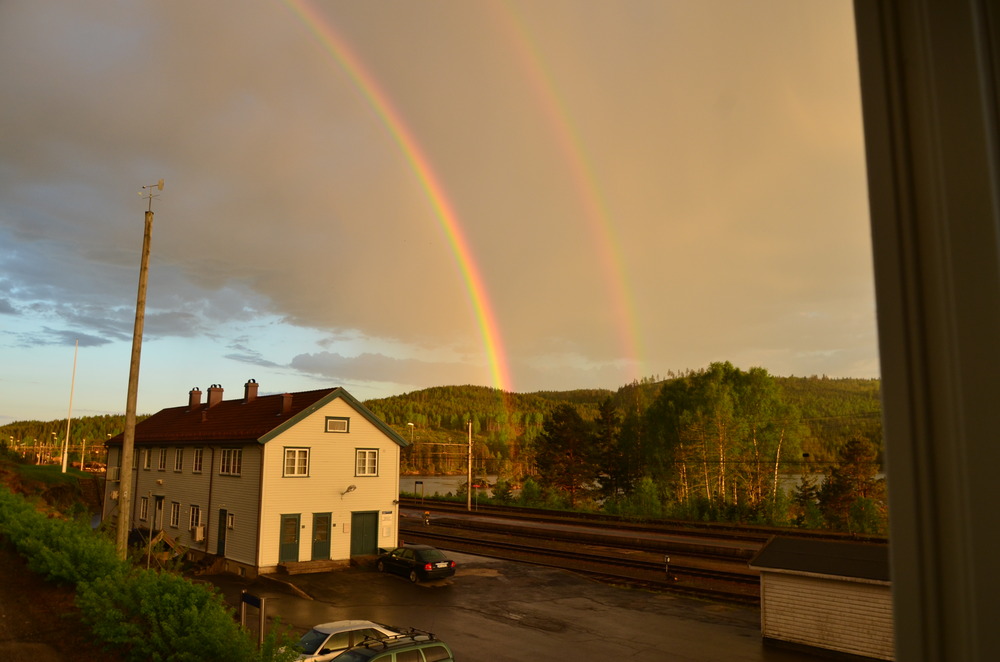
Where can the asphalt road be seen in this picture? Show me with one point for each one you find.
(493, 611)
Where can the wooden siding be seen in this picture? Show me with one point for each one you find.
(848, 616)
(237, 494)
(331, 472)
(240, 496)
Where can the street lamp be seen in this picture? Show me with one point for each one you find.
(411, 432)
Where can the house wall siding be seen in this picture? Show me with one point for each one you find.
(240, 496)
(842, 615)
(331, 472)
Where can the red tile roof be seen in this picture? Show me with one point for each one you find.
(228, 420)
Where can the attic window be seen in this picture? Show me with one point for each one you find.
(338, 424)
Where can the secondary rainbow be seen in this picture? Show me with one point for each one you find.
(602, 231)
(338, 47)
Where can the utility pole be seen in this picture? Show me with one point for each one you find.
(128, 441)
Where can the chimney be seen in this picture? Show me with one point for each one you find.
(286, 403)
(214, 395)
(194, 399)
(250, 391)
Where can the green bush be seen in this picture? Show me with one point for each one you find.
(65, 552)
(149, 615)
(159, 616)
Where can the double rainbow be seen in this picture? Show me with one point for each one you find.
(339, 48)
(601, 228)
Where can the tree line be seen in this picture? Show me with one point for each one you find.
(714, 444)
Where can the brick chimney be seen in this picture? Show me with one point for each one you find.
(250, 391)
(286, 404)
(194, 399)
(214, 395)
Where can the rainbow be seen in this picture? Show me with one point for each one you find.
(602, 231)
(338, 47)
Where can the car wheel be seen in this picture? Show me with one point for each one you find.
(380, 567)
(413, 576)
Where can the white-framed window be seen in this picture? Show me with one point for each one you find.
(175, 514)
(147, 458)
(338, 424)
(366, 463)
(195, 517)
(178, 459)
(199, 453)
(143, 508)
(230, 520)
(161, 465)
(231, 463)
(296, 462)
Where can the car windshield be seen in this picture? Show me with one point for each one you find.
(311, 641)
(431, 555)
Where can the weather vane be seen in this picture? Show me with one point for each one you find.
(149, 192)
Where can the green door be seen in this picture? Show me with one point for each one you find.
(364, 533)
(321, 537)
(288, 550)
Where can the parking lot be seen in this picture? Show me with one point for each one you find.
(494, 610)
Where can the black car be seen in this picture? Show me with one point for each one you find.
(418, 562)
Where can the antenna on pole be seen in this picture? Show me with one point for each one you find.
(147, 191)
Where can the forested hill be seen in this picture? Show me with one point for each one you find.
(830, 410)
(95, 429)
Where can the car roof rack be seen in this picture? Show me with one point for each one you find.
(404, 634)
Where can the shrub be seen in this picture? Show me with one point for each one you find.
(147, 614)
(160, 616)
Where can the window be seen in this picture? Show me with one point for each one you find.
(232, 462)
(230, 521)
(199, 453)
(175, 514)
(296, 461)
(367, 463)
(338, 424)
(146, 459)
(178, 459)
(161, 465)
(143, 508)
(195, 518)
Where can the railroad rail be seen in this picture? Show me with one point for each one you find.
(605, 564)
(688, 528)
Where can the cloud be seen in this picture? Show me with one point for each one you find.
(649, 205)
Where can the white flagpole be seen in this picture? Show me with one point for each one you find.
(72, 383)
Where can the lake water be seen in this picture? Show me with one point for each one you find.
(431, 485)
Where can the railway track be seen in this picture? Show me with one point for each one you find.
(731, 583)
(707, 559)
(721, 530)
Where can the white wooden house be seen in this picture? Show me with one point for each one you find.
(296, 481)
(829, 595)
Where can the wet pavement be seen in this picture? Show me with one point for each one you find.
(494, 610)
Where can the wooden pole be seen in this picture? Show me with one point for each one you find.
(128, 441)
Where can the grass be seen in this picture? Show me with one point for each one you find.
(51, 474)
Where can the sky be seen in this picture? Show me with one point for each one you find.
(389, 196)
